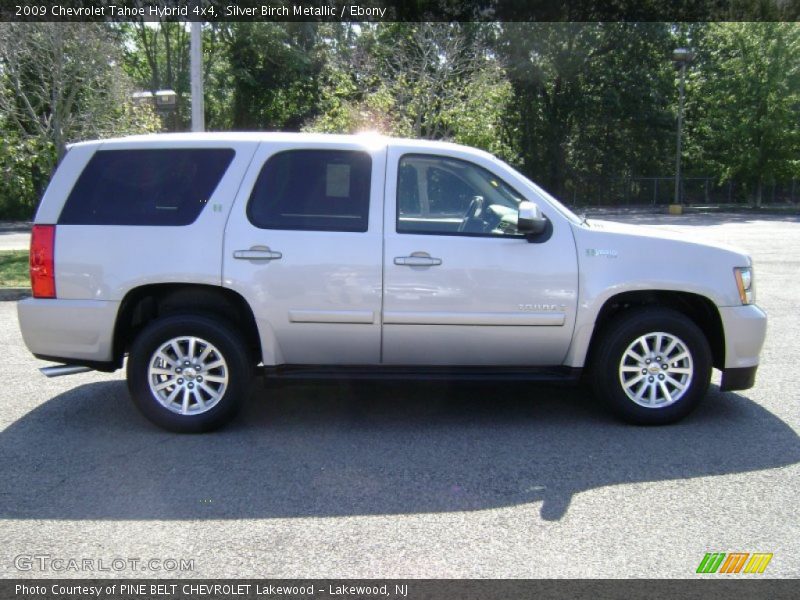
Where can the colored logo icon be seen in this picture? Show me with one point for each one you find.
(734, 562)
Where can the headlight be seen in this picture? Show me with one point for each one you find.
(744, 281)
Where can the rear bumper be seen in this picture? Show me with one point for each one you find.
(74, 331)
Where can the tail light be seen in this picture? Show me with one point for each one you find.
(42, 261)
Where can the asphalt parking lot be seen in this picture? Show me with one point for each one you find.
(362, 480)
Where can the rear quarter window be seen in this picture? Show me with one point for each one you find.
(145, 187)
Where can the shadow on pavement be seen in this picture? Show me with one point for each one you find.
(364, 448)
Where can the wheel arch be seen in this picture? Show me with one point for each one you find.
(699, 309)
(143, 304)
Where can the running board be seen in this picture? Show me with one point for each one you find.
(471, 373)
(59, 370)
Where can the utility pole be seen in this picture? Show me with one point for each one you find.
(196, 54)
(681, 57)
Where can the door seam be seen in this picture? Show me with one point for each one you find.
(383, 250)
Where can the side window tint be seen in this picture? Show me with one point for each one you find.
(325, 190)
(448, 193)
(447, 196)
(145, 187)
(408, 190)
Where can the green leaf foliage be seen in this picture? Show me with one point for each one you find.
(585, 109)
(743, 104)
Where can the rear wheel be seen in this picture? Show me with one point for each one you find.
(652, 367)
(188, 373)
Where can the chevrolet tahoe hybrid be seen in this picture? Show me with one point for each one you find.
(202, 258)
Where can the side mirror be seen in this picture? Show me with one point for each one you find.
(530, 219)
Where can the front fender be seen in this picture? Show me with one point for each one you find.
(620, 259)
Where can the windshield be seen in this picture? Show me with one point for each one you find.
(556, 204)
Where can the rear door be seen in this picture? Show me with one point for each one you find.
(303, 246)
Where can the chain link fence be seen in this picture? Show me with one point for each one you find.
(660, 191)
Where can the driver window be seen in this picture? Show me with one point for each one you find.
(447, 196)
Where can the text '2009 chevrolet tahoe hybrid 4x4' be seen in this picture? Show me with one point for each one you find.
(201, 257)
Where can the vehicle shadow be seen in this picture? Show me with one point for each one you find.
(364, 448)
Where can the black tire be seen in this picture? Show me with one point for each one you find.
(615, 340)
(226, 341)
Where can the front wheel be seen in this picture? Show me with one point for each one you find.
(188, 373)
(652, 367)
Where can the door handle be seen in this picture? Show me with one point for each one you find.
(257, 253)
(417, 259)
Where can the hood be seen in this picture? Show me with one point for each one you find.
(622, 257)
(666, 234)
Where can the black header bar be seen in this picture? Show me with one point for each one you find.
(400, 10)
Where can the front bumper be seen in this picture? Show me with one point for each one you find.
(738, 379)
(745, 328)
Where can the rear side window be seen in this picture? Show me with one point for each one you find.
(145, 187)
(324, 190)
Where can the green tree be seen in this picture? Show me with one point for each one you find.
(423, 80)
(743, 104)
(274, 74)
(156, 57)
(59, 83)
(21, 174)
(590, 100)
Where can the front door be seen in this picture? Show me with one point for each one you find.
(303, 246)
(461, 286)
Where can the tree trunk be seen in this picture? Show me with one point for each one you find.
(57, 93)
(759, 189)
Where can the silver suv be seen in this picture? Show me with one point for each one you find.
(201, 257)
